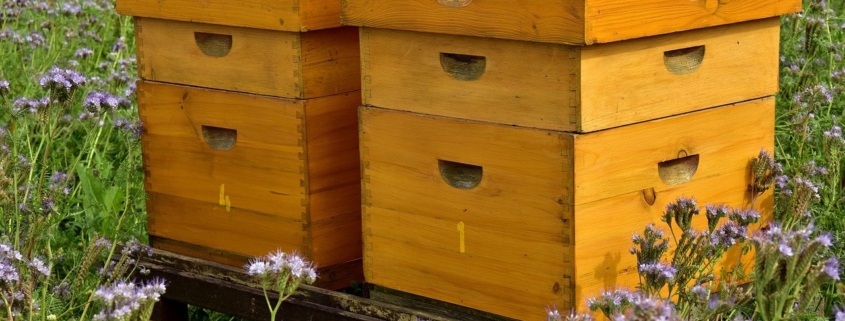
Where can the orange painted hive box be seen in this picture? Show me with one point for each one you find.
(266, 62)
(510, 220)
(574, 22)
(232, 176)
(569, 88)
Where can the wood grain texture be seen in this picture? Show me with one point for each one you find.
(288, 15)
(575, 22)
(290, 180)
(623, 160)
(412, 244)
(508, 245)
(612, 20)
(556, 21)
(567, 88)
(740, 62)
(524, 83)
(284, 64)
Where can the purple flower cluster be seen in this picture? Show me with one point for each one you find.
(32, 106)
(62, 82)
(728, 235)
(554, 315)
(279, 265)
(623, 305)
(98, 102)
(682, 211)
(33, 39)
(122, 299)
(796, 243)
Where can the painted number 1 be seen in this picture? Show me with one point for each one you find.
(461, 233)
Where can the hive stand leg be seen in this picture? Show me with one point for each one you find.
(170, 310)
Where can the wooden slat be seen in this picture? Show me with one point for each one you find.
(576, 22)
(611, 20)
(294, 16)
(236, 231)
(230, 290)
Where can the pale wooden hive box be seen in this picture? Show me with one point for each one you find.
(510, 220)
(232, 176)
(559, 21)
(267, 62)
(282, 15)
(569, 88)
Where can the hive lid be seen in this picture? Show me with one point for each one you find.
(282, 15)
(558, 21)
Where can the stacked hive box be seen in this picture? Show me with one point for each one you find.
(511, 149)
(250, 142)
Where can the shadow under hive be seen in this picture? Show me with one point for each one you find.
(250, 141)
(510, 150)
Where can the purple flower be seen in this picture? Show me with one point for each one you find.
(122, 299)
(4, 87)
(840, 311)
(785, 249)
(83, 53)
(831, 268)
(825, 239)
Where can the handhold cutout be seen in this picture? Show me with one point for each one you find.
(454, 3)
(212, 44)
(649, 196)
(463, 67)
(459, 175)
(679, 170)
(683, 61)
(219, 138)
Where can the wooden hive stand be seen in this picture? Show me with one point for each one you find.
(511, 149)
(250, 137)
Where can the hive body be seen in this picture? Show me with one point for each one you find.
(551, 217)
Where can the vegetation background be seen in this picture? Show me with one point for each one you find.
(71, 175)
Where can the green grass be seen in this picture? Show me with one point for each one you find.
(57, 220)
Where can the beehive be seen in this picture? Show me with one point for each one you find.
(236, 175)
(510, 220)
(569, 88)
(558, 21)
(250, 141)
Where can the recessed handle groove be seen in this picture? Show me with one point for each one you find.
(460, 175)
(679, 170)
(454, 3)
(463, 67)
(219, 138)
(683, 61)
(212, 44)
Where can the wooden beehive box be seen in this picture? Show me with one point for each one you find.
(232, 176)
(569, 88)
(292, 15)
(574, 22)
(510, 220)
(267, 62)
